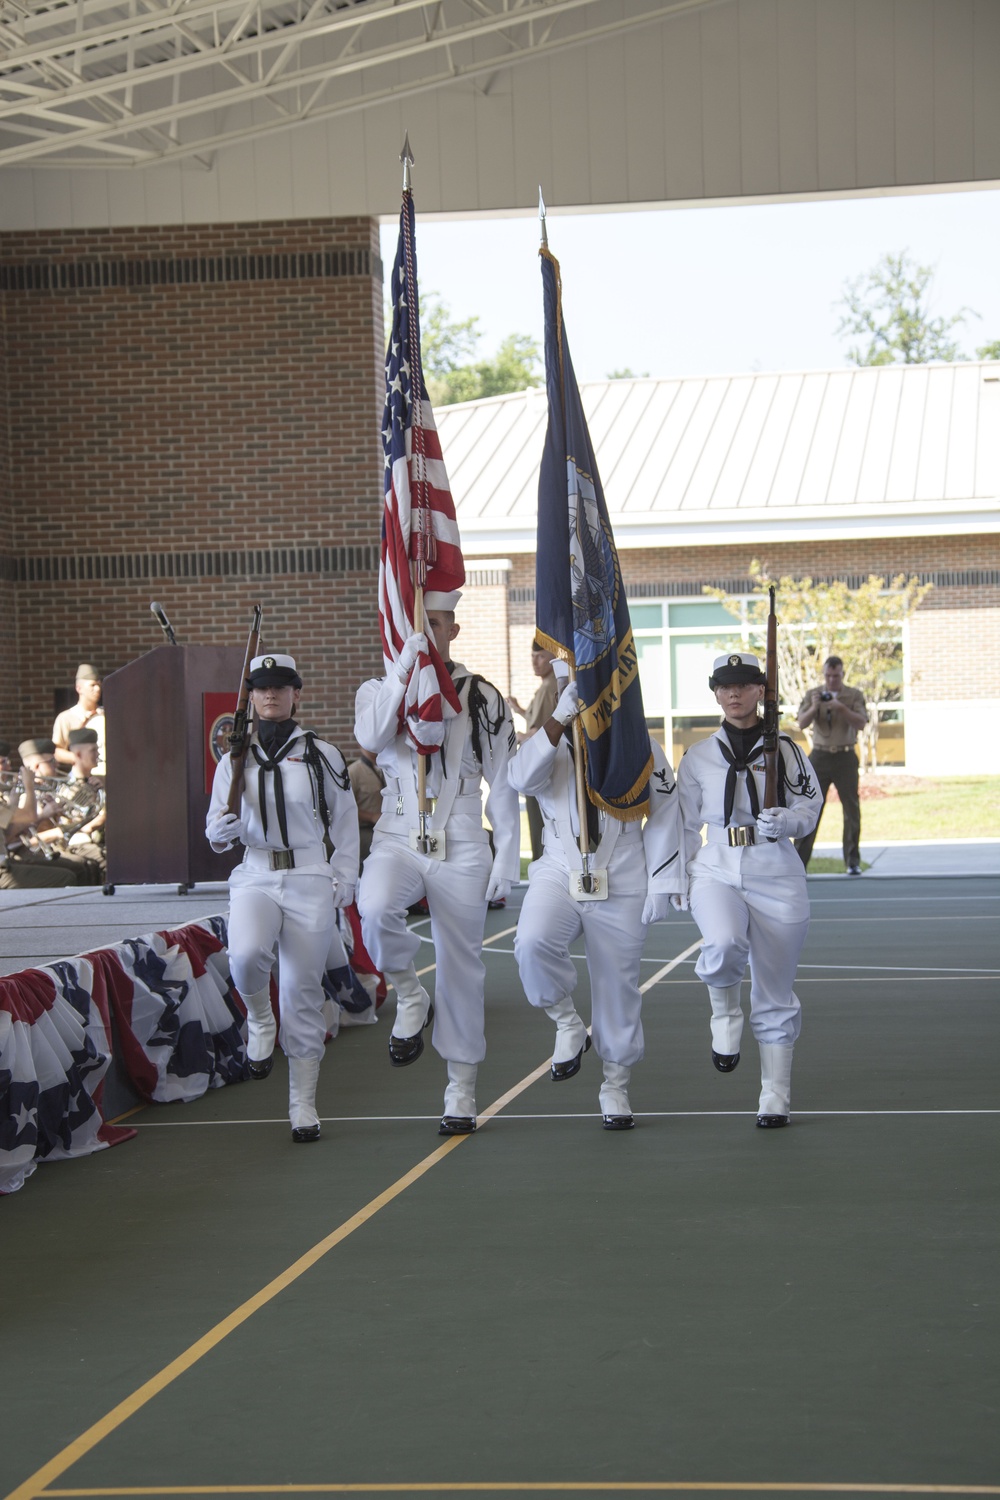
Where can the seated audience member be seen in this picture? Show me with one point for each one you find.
(20, 867)
(87, 841)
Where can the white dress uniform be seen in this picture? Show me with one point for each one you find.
(640, 860)
(396, 876)
(284, 908)
(749, 900)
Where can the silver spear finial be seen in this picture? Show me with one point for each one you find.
(541, 218)
(406, 157)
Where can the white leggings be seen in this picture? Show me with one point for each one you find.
(745, 912)
(394, 878)
(613, 935)
(289, 917)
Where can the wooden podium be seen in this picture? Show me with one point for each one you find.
(163, 713)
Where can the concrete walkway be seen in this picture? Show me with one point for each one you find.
(921, 857)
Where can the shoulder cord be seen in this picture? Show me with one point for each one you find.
(317, 762)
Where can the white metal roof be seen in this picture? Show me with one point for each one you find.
(905, 449)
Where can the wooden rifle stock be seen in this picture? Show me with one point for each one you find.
(771, 711)
(239, 740)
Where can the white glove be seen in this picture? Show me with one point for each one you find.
(415, 645)
(343, 894)
(226, 830)
(773, 823)
(498, 889)
(679, 903)
(560, 671)
(656, 908)
(569, 705)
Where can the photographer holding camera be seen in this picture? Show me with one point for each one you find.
(833, 714)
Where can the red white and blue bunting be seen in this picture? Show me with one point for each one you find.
(164, 1001)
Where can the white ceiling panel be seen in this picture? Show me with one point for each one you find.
(605, 102)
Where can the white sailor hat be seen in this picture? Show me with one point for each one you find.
(434, 599)
(273, 670)
(736, 669)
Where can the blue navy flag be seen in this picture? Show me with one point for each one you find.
(581, 610)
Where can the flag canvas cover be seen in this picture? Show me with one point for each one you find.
(419, 528)
(580, 604)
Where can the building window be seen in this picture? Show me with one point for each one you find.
(677, 642)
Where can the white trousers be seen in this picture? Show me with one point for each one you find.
(394, 877)
(613, 936)
(752, 905)
(287, 916)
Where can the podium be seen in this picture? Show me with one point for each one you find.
(164, 712)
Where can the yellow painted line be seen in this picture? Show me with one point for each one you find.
(667, 968)
(127, 1115)
(495, 938)
(547, 1487)
(36, 1484)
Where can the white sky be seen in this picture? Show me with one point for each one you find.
(692, 291)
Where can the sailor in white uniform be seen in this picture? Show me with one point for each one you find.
(747, 887)
(299, 822)
(457, 875)
(635, 869)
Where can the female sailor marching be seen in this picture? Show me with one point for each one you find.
(746, 884)
(299, 822)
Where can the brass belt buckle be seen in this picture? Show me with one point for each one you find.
(741, 837)
(281, 859)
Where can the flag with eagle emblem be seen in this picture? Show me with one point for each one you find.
(580, 605)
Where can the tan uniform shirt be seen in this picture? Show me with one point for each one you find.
(830, 730)
(78, 718)
(367, 782)
(542, 704)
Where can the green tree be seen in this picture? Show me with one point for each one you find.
(989, 351)
(447, 349)
(817, 620)
(889, 308)
(627, 374)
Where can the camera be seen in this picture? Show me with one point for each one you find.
(825, 697)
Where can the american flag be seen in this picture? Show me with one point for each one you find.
(420, 540)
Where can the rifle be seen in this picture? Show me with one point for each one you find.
(239, 739)
(771, 712)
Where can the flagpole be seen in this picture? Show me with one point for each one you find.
(578, 742)
(417, 564)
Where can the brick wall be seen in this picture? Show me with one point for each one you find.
(192, 417)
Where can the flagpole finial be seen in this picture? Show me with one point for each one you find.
(406, 157)
(541, 219)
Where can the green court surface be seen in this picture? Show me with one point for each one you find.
(694, 1307)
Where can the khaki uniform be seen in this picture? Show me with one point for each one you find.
(78, 718)
(835, 762)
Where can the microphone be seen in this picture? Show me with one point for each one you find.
(164, 623)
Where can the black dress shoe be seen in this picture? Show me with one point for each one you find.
(456, 1125)
(618, 1122)
(725, 1061)
(771, 1122)
(854, 869)
(404, 1050)
(262, 1068)
(561, 1070)
(302, 1133)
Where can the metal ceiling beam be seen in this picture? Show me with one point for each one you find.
(83, 132)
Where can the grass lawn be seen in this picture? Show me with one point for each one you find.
(910, 807)
(895, 806)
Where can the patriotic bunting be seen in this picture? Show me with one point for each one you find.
(179, 1027)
